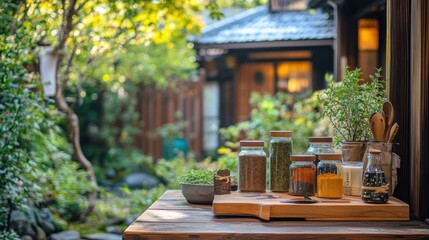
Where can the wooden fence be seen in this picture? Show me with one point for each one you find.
(158, 107)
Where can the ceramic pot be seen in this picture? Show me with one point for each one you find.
(353, 151)
(198, 193)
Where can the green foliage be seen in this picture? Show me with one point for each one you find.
(116, 208)
(349, 103)
(23, 116)
(173, 130)
(8, 235)
(198, 176)
(172, 170)
(279, 112)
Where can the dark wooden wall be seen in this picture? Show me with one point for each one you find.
(158, 107)
(408, 74)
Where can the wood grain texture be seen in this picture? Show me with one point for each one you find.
(239, 204)
(172, 218)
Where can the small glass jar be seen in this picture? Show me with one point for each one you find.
(280, 151)
(252, 162)
(302, 175)
(320, 145)
(375, 188)
(352, 178)
(329, 180)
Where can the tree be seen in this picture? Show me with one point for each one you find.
(83, 31)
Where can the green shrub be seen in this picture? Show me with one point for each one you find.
(279, 112)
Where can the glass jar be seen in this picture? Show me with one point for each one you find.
(374, 187)
(352, 178)
(329, 180)
(320, 145)
(302, 175)
(280, 151)
(252, 162)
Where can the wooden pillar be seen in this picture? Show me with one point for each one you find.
(419, 107)
(398, 75)
(408, 85)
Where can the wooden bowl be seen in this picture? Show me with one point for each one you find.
(198, 193)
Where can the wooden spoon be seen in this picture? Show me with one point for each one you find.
(389, 113)
(393, 131)
(378, 126)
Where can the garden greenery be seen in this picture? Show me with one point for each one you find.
(349, 103)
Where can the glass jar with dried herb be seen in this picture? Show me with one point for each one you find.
(252, 162)
(302, 175)
(329, 180)
(280, 151)
(375, 188)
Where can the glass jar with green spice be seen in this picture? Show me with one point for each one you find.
(252, 162)
(280, 151)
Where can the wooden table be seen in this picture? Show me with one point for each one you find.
(171, 217)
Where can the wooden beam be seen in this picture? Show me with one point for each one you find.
(250, 45)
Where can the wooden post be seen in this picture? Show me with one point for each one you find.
(398, 73)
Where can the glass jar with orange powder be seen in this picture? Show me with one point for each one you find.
(302, 175)
(329, 180)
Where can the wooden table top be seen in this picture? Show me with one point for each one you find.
(171, 217)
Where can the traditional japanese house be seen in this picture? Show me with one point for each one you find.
(282, 46)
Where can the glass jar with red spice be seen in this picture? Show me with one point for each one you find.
(302, 175)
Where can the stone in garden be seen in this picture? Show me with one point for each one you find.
(24, 223)
(113, 229)
(66, 235)
(45, 221)
(140, 180)
(103, 236)
(41, 235)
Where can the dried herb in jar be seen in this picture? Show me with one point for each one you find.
(280, 152)
(252, 169)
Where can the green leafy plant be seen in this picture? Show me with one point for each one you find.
(198, 176)
(349, 103)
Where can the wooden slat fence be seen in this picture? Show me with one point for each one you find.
(158, 107)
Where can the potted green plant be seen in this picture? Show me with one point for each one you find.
(348, 105)
(197, 186)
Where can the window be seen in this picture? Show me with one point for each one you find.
(294, 77)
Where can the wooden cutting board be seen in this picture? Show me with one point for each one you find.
(240, 204)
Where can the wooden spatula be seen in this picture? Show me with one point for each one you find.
(393, 131)
(378, 126)
(389, 113)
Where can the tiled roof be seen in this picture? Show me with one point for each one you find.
(261, 25)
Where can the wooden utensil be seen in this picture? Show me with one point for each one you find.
(389, 113)
(378, 126)
(393, 131)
